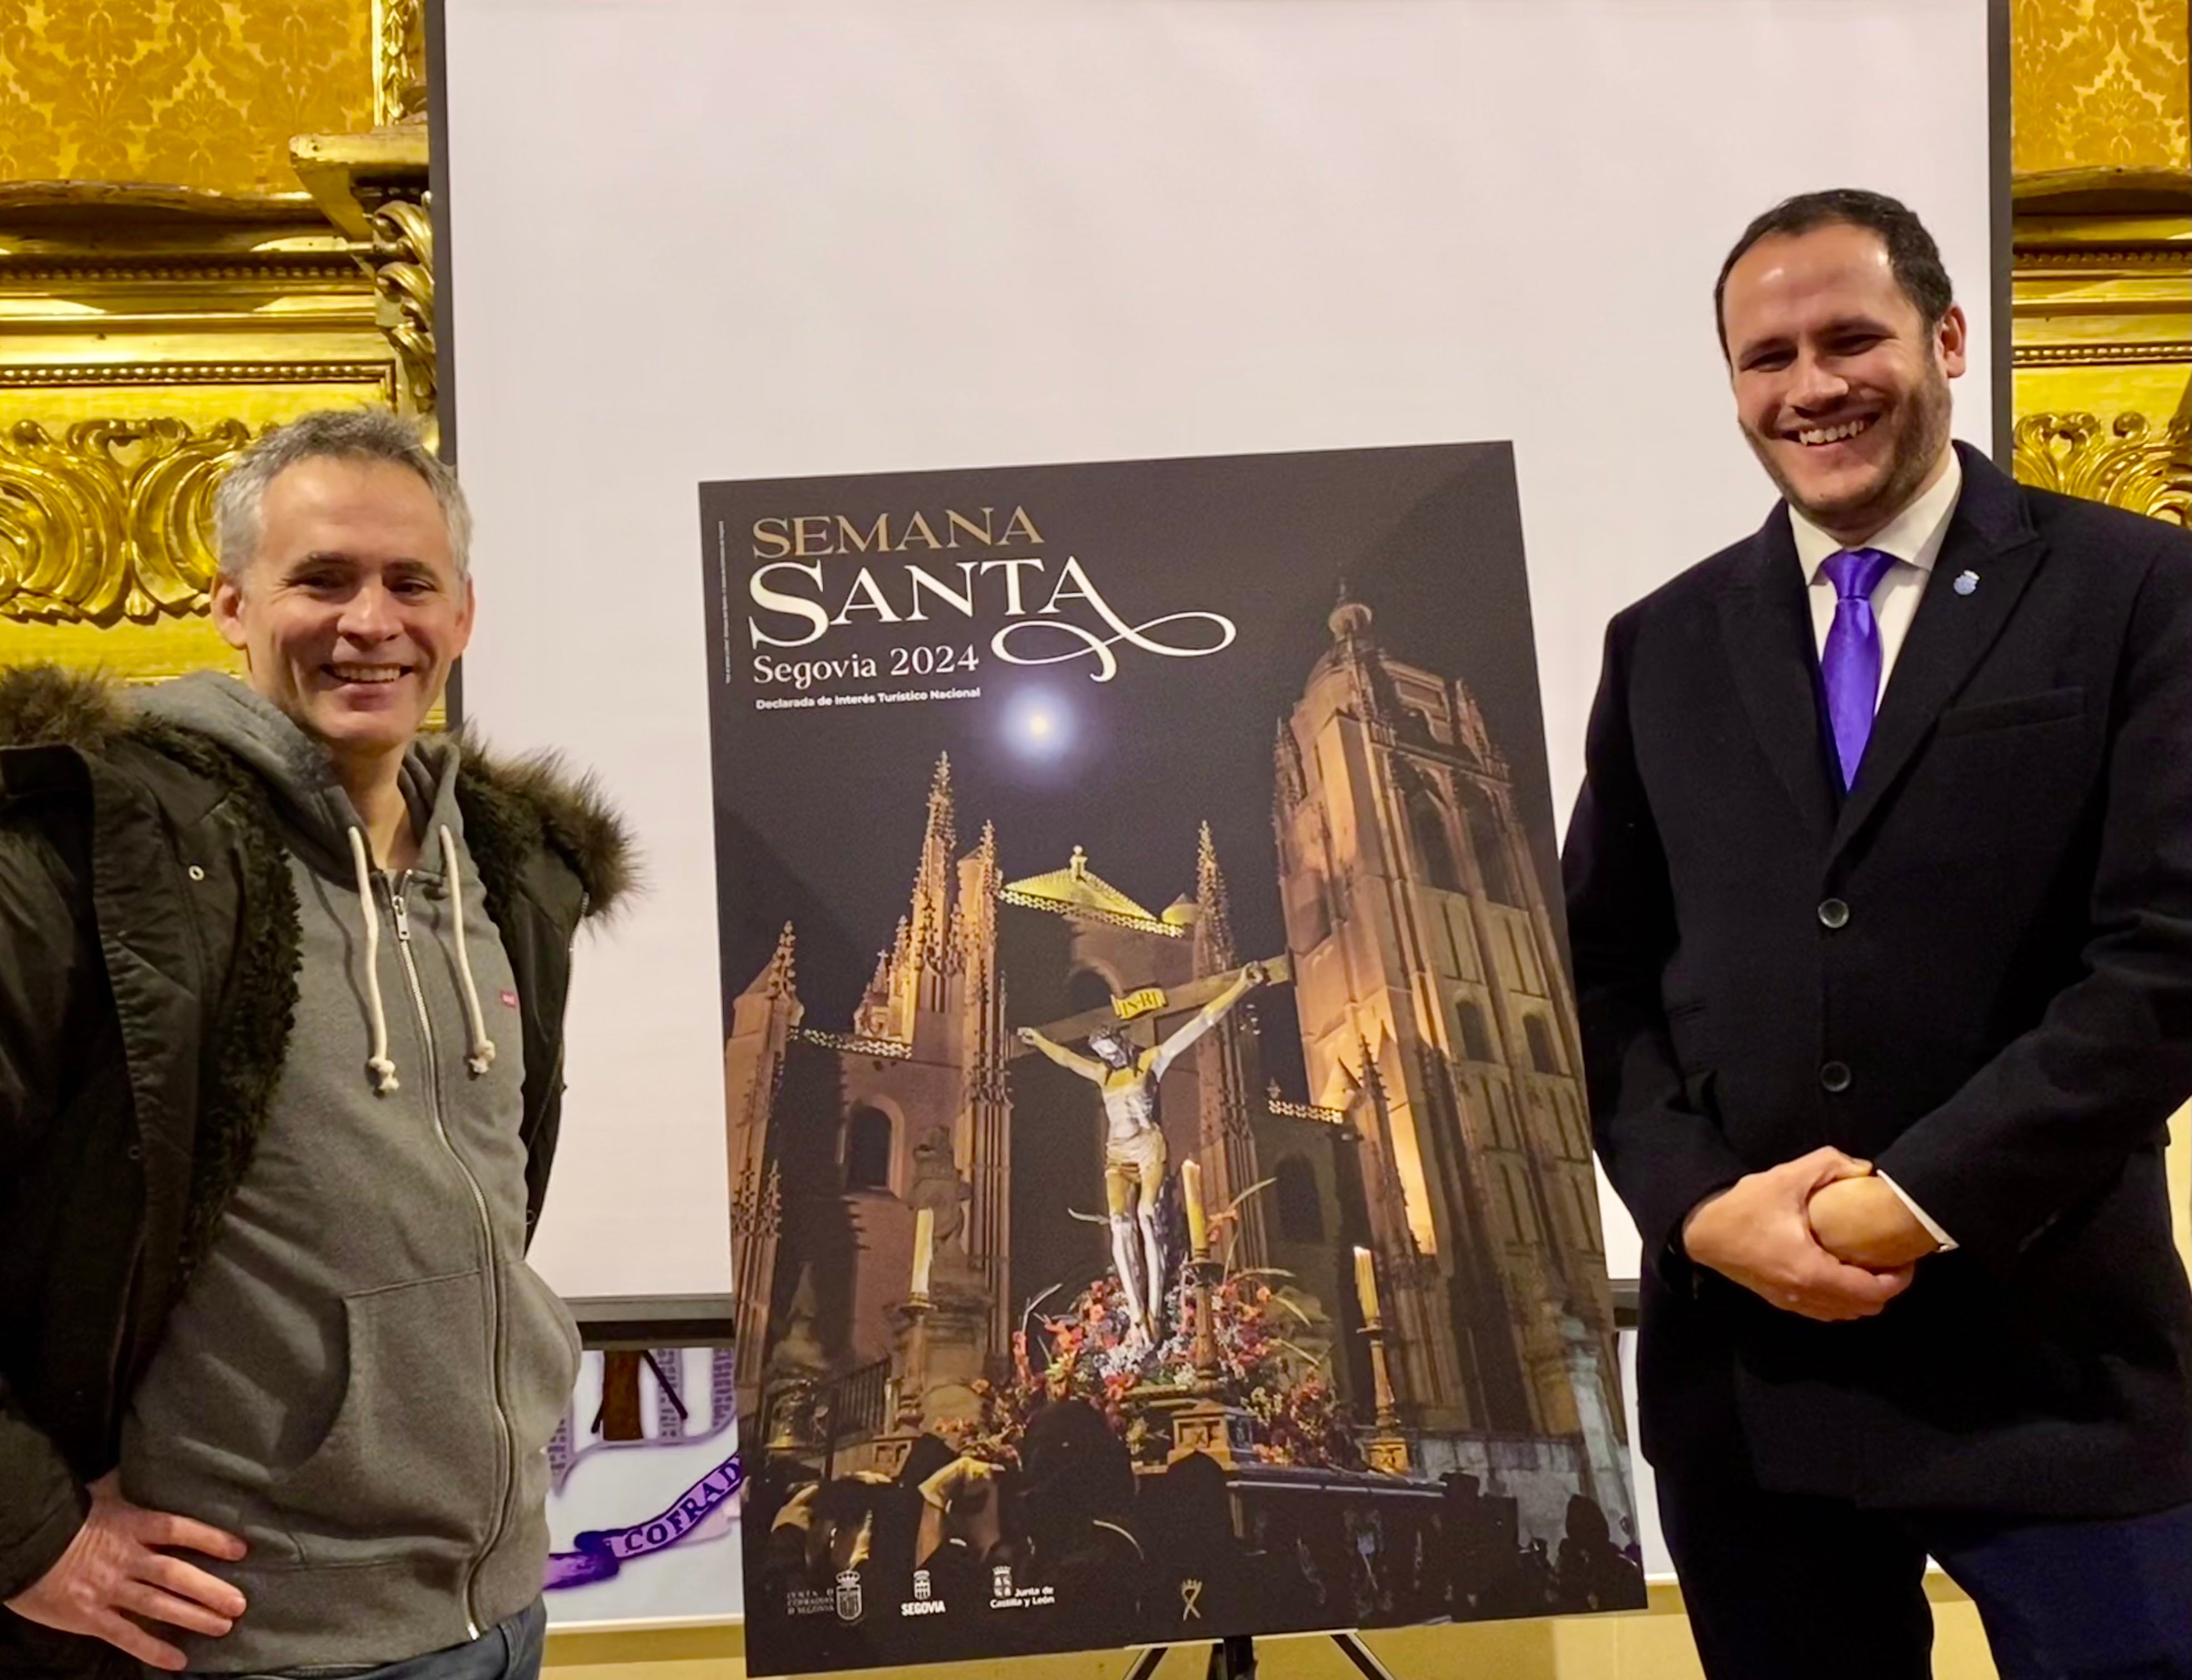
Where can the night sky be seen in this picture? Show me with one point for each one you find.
(819, 813)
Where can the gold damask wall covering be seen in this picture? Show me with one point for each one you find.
(188, 93)
(2101, 83)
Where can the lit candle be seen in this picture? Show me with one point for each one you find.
(1198, 1222)
(924, 1250)
(1366, 1286)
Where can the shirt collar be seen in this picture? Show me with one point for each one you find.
(1913, 535)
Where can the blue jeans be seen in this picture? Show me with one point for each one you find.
(509, 1650)
(1789, 1586)
(2111, 1598)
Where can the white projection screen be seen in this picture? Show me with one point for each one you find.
(689, 240)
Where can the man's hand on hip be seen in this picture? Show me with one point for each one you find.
(1758, 1233)
(113, 1570)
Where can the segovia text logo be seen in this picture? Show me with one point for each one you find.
(902, 568)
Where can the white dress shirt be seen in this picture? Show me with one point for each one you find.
(1914, 538)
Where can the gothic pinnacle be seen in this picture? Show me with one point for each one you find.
(1214, 920)
(1209, 878)
(1371, 1080)
(941, 828)
(781, 973)
(984, 858)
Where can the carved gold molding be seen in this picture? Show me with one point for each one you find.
(111, 520)
(2127, 464)
(2129, 352)
(60, 375)
(403, 264)
(399, 61)
(373, 187)
(2100, 258)
(270, 270)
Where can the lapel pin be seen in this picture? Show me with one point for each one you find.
(1966, 582)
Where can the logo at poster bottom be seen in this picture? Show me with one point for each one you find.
(924, 1602)
(848, 1595)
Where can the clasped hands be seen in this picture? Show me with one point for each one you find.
(1819, 1236)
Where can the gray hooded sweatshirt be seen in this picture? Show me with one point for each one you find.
(361, 1377)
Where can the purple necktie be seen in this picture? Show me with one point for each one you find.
(1850, 664)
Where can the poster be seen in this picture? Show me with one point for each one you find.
(1162, 1202)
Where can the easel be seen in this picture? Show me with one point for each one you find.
(1235, 1658)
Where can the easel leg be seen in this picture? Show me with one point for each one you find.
(1365, 1660)
(1235, 1658)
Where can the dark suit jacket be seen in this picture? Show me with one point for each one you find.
(2002, 1021)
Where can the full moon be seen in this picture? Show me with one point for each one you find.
(1038, 726)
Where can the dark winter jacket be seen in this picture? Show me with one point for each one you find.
(148, 978)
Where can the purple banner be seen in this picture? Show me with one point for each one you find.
(599, 1553)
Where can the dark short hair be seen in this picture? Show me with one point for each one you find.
(1912, 256)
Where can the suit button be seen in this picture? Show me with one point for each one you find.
(1833, 912)
(1836, 1076)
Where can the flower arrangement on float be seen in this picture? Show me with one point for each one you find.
(1090, 1351)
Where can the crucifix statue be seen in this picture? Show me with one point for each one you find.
(1133, 1142)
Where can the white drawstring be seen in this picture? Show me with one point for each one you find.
(482, 1055)
(383, 1069)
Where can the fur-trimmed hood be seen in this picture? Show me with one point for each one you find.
(533, 799)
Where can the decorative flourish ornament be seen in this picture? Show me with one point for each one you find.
(403, 264)
(2128, 463)
(399, 61)
(111, 520)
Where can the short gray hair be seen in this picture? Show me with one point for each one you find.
(336, 434)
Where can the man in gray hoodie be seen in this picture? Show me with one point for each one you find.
(280, 1075)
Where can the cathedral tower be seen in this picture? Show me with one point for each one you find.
(1433, 1003)
(763, 1018)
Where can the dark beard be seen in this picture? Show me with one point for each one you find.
(1916, 452)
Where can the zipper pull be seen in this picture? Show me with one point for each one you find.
(402, 917)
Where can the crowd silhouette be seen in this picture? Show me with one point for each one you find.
(956, 1557)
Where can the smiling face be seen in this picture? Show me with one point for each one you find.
(1841, 384)
(351, 610)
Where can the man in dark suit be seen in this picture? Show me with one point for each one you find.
(1880, 887)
